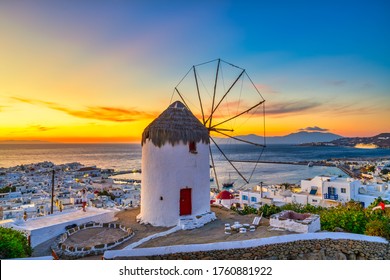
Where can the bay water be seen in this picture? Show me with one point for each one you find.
(128, 157)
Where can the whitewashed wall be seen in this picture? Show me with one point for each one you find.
(165, 171)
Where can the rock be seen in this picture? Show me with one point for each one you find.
(360, 257)
(321, 255)
(337, 229)
(340, 256)
(312, 256)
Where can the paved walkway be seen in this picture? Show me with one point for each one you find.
(60, 218)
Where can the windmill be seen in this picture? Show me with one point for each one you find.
(226, 101)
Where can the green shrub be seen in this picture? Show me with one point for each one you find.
(269, 210)
(377, 201)
(378, 227)
(8, 189)
(349, 219)
(13, 244)
(300, 208)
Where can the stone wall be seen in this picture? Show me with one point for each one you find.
(316, 249)
(60, 250)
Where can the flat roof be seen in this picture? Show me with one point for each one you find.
(60, 218)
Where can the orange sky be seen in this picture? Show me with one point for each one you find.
(75, 74)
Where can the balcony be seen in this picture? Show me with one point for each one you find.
(331, 196)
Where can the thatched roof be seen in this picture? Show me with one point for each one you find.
(174, 125)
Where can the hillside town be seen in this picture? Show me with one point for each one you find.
(34, 190)
(26, 190)
(369, 180)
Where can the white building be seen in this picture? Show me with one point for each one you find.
(368, 193)
(226, 199)
(330, 191)
(117, 192)
(250, 198)
(261, 195)
(326, 191)
(175, 169)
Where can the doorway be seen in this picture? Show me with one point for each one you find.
(185, 202)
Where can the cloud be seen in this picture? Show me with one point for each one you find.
(30, 128)
(367, 85)
(104, 113)
(40, 128)
(313, 128)
(353, 109)
(338, 82)
(289, 107)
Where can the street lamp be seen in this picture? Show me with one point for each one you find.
(52, 191)
(261, 189)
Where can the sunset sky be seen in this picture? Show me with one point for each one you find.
(101, 71)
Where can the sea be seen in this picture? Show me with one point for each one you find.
(128, 157)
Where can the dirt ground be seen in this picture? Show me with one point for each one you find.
(215, 231)
(210, 233)
(93, 236)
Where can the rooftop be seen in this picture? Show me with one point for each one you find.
(176, 124)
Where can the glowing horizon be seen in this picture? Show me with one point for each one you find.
(101, 73)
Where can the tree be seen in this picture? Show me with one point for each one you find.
(385, 171)
(13, 244)
(7, 189)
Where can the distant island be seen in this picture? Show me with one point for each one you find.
(379, 141)
(297, 138)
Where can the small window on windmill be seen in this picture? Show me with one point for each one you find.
(192, 147)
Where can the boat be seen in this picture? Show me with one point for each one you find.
(310, 164)
(228, 184)
(211, 174)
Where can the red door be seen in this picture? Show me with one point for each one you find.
(185, 202)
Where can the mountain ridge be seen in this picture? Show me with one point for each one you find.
(295, 138)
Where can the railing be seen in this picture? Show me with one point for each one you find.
(331, 196)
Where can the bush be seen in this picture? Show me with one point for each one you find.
(7, 189)
(13, 244)
(300, 208)
(379, 227)
(377, 201)
(385, 171)
(269, 210)
(350, 219)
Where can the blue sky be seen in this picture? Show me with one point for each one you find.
(317, 63)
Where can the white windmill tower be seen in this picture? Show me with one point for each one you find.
(178, 149)
(175, 170)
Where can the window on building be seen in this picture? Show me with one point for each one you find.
(314, 200)
(253, 199)
(244, 197)
(192, 147)
(343, 190)
(331, 190)
(313, 190)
